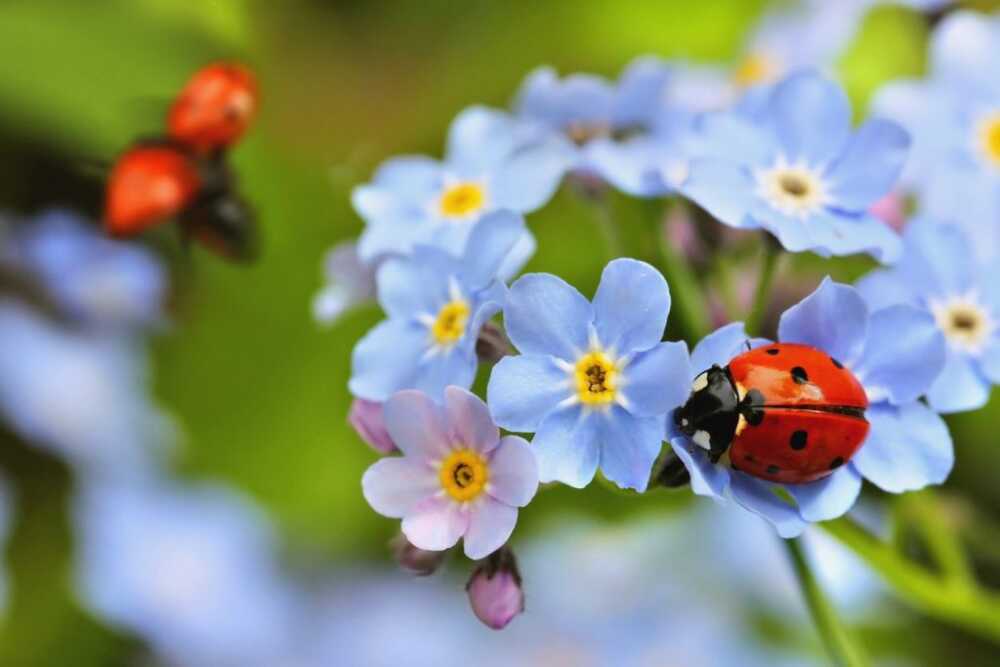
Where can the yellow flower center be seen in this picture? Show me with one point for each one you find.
(462, 200)
(795, 190)
(989, 138)
(449, 325)
(596, 376)
(964, 322)
(464, 475)
(754, 69)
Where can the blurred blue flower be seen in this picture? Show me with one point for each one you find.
(81, 395)
(938, 273)
(457, 478)
(594, 381)
(798, 171)
(954, 119)
(349, 283)
(95, 280)
(192, 570)
(896, 353)
(436, 304)
(492, 162)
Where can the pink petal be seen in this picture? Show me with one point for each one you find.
(435, 524)
(416, 424)
(470, 421)
(513, 472)
(394, 486)
(490, 525)
(366, 419)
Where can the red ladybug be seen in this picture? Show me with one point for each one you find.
(782, 412)
(214, 109)
(148, 184)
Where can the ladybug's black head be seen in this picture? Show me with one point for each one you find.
(711, 413)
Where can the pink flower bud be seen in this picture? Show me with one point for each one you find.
(891, 209)
(495, 590)
(414, 560)
(366, 418)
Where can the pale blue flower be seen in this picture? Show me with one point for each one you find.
(939, 274)
(594, 381)
(797, 170)
(896, 353)
(436, 304)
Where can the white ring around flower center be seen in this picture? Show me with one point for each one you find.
(966, 323)
(796, 190)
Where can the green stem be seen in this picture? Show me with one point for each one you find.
(688, 308)
(762, 295)
(971, 608)
(843, 651)
(609, 230)
(931, 520)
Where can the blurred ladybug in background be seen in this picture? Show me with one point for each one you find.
(185, 175)
(783, 412)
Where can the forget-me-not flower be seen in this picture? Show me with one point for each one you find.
(594, 381)
(493, 161)
(939, 274)
(436, 304)
(896, 353)
(798, 171)
(457, 477)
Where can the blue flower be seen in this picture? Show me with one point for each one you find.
(797, 171)
(193, 571)
(492, 162)
(896, 353)
(939, 274)
(349, 283)
(954, 118)
(594, 381)
(436, 304)
(81, 395)
(93, 279)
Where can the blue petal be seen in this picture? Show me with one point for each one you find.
(524, 389)
(904, 353)
(632, 166)
(386, 359)
(724, 189)
(719, 347)
(829, 497)
(989, 362)
(834, 319)
(734, 138)
(938, 258)
(546, 315)
(631, 306)
(481, 138)
(640, 91)
(869, 166)
(558, 103)
(811, 116)
(629, 447)
(392, 236)
(398, 184)
(490, 243)
(907, 448)
(885, 287)
(964, 50)
(658, 380)
(758, 497)
(793, 234)
(519, 255)
(527, 180)
(959, 387)
(707, 478)
(408, 286)
(455, 367)
(837, 233)
(567, 447)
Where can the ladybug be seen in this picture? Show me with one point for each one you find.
(782, 412)
(214, 109)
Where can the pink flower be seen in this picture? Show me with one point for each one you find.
(456, 479)
(366, 418)
(495, 590)
(891, 209)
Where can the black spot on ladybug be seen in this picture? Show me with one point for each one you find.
(836, 363)
(799, 440)
(755, 397)
(836, 463)
(799, 375)
(773, 470)
(735, 467)
(773, 351)
(748, 458)
(755, 417)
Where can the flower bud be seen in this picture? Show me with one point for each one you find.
(891, 209)
(495, 590)
(414, 560)
(366, 418)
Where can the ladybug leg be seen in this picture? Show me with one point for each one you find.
(673, 474)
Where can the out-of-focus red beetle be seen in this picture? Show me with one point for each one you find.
(214, 109)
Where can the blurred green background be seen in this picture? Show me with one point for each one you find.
(258, 388)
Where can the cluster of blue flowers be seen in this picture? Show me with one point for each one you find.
(593, 382)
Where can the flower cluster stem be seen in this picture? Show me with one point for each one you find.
(688, 301)
(765, 281)
(843, 651)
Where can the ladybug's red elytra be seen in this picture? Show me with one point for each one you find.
(185, 176)
(782, 412)
(215, 108)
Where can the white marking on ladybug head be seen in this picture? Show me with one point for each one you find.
(700, 382)
(702, 439)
